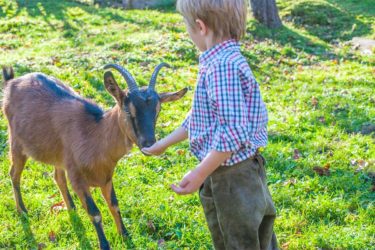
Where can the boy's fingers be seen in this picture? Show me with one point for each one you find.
(146, 151)
(184, 183)
(177, 189)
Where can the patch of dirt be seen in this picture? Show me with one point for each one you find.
(365, 45)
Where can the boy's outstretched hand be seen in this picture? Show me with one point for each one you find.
(195, 178)
(190, 183)
(157, 149)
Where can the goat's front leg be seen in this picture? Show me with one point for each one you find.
(83, 192)
(60, 180)
(110, 196)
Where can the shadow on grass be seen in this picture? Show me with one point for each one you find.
(29, 236)
(349, 118)
(327, 21)
(363, 7)
(286, 36)
(71, 25)
(48, 9)
(68, 14)
(79, 230)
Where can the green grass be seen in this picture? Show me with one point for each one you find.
(318, 90)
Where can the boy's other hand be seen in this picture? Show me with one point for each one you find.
(191, 182)
(157, 149)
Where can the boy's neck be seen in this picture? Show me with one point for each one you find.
(211, 41)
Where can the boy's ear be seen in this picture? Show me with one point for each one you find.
(112, 87)
(201, 27)
(172, 96)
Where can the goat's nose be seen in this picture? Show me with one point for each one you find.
(145, 143)
(148, 144)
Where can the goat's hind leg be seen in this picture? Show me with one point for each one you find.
(18, 163)
(60, 180)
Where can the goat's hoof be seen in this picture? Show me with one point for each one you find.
(104, 246)
(125, 236)
(72, 208)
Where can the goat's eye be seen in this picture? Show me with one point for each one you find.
(126, 110)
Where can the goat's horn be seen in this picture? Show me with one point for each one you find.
(132, 85)
(155, 75)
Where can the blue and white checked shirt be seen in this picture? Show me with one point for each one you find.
(228, 113)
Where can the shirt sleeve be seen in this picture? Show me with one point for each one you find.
(228, 103)
(185, 123)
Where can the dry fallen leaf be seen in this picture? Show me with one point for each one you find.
(285, 245)
(290, 182)
(180, 152)
(151, 226)
(52, 236)
(296, 154)
(53, 196)
(314, 101)
(161, 242)
(57, 207)
(327, 166)
(362, 164)
(41, 246)
(322, 119)
(55, 60)
(321, 171)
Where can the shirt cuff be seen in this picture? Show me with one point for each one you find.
(185, 123)
(230, 138)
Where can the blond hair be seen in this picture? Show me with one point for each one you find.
(226, 18)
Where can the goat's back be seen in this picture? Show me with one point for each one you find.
(45, 115)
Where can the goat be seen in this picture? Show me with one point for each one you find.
(52, 124)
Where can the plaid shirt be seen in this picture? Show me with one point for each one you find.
(228, 113)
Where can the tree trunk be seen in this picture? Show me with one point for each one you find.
(134, 4)
(125, 3)
(265, 11)
(100, 2)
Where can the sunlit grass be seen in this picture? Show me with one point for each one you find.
(319, 93)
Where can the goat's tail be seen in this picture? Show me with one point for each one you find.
(8, 74)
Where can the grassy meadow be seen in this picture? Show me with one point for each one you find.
(320, 93)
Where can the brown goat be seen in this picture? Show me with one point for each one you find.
(52, 124)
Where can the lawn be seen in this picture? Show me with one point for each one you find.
(320, 93)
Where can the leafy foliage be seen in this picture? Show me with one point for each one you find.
(318, 90)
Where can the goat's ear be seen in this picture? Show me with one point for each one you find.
(112, 87)
(172, 96)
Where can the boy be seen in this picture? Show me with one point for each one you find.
(226, 126)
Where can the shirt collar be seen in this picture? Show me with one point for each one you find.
(217, 49)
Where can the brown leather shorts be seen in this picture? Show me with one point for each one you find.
(238, 206)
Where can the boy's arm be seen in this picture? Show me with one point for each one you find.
(227, 99)
(195, 178)
(176, 136)
(180, 134)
